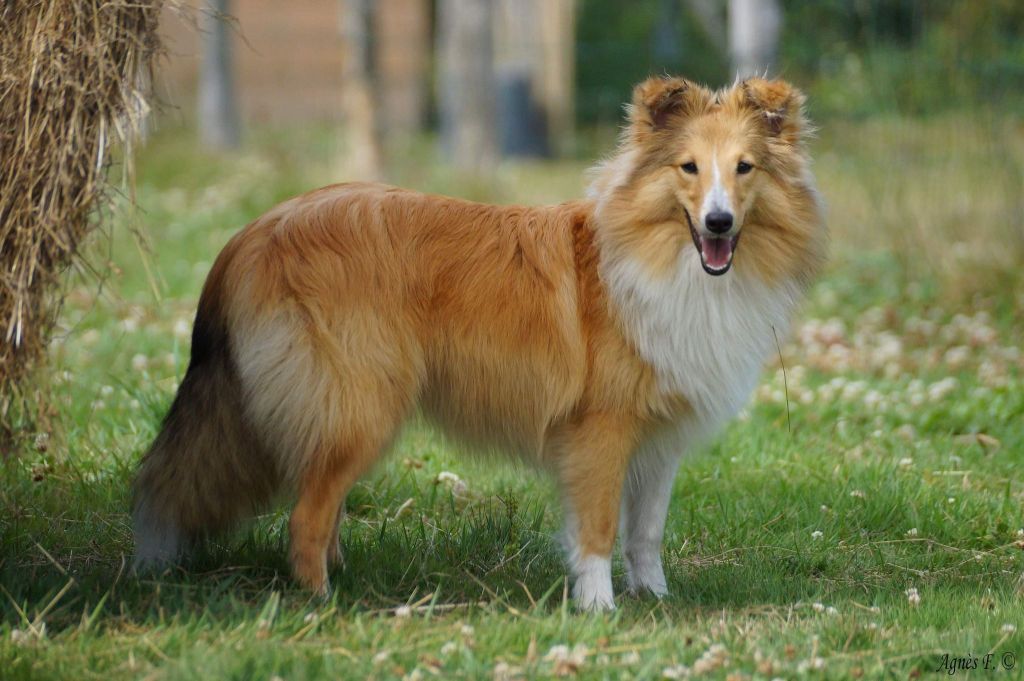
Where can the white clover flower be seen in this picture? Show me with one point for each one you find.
(833, 331)
(817, 534)
(854, 390)
(873, 399)
(957, 356)
(182, 328)
(889, 349)
(503, 671)
(714, 657)
(892, 371)
(814, 663)
(913, 597)
(942, 389)
(1008, 628)
(448, 477)
(982, 334)
(565, 661)
(912, 532)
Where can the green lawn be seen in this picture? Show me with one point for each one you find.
(867, 529)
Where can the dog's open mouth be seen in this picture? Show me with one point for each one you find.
(715, 251)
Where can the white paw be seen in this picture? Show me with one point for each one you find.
(645, 575)
(593, 588)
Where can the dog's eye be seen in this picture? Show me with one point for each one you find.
(743, 167)
(690, 167)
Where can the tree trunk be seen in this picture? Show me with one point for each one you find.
(363, 154)
(754, 27)
(557, 73)
(518, 50)
(218, 107)
(402, 55)
(534, 67)
(466, 83)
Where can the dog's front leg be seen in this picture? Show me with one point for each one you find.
(645, 499)
(591, 470)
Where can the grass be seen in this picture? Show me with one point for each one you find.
(866, 529)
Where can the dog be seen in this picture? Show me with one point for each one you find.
(598, 339)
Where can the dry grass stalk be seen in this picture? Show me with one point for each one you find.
(72, 74)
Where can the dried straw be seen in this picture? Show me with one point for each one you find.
(72, 81)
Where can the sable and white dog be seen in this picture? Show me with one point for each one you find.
(598, 339)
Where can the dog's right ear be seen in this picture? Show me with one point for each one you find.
(659, 102)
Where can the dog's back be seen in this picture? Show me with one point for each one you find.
(324, 323)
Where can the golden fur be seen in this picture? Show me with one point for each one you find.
(328, 320)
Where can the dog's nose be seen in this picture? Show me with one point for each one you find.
(718, 222)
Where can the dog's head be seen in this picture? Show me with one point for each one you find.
(703, 160)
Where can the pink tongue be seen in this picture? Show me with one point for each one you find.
(717, 252)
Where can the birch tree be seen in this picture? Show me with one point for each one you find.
(754, 28)
(465, 85)
(362, 134)
(401, 59)
(219, 125)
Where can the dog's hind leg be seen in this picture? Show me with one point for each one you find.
(313, 523)
(334, 555)
(364, 431)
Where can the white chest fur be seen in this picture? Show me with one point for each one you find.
(707, 337)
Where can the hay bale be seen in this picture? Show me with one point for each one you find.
(71, 79)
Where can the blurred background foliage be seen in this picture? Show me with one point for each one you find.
(854, 57)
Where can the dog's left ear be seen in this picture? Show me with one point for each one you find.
(780, 106)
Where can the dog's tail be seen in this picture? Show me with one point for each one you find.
(205, 470)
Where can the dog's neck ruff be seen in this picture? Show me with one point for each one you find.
(706, 337)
